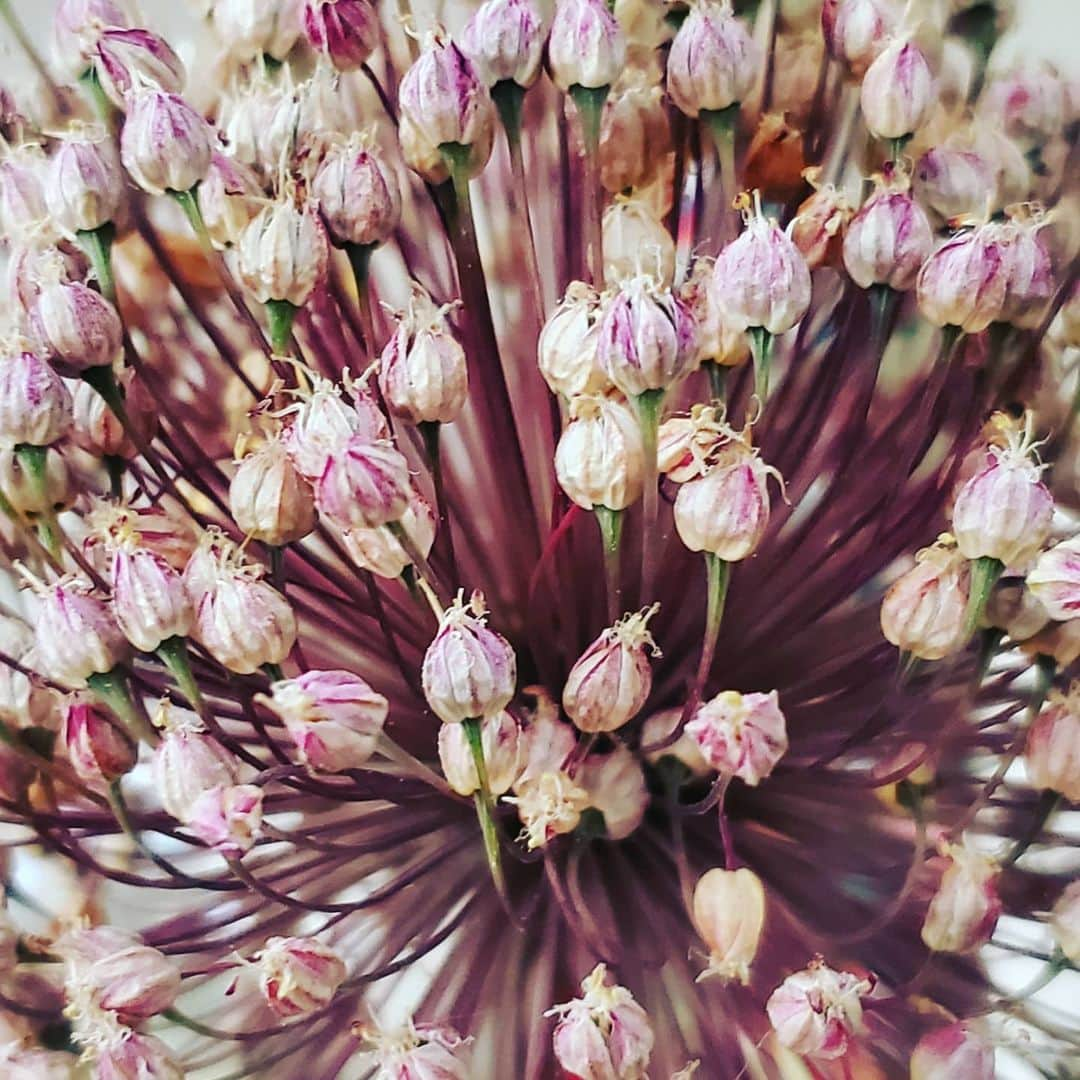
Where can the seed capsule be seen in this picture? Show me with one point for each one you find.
(898, 91)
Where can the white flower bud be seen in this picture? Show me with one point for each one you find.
(269, 500)
(501, 738)
(729, 912)
(600, 460)
(566, 350)
(283, 253)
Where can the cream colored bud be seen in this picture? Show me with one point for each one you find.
(600, 460)
(729, 912)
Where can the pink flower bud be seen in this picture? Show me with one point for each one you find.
(75, 632)
(76, 327)
(1055, 580)
(23, 211)
(186, 763)
(347, 31)
(816, 1011)
(364, 485)
(718, 340)
(955, 1052)
(333, 717)
(260, 123)
(269, 500)
(165, 145)
(1052, 750)
(615, 786)
(924, 611)
(422, 371)
(965, 909)
(566, 351)
(741, 734)
(1028, 104)
(761, 278)
(96, 747)
(299, 975)
(1065, 922)
(821, 224)
(888, 240)
(417, 1053)
(84, 187)
(228, 819)
(76, 27)
(283, 253)
(149, 598)
(358, 194)
(35, 406)
(250, 28)
(469, 671)
(611, 680)
(954, 182)
(504, 39)
(713, 62)
(898, 91)
(647, 338)
(600, 460)
(128, 60)
(729, 913)
(133, 1056)
(726, 511)
(500, 736)
(603, 1035)
(586, 46)
(856, 31)
(25, 492)
(97, 429)
(963, 283)
(229, 197)
(1030, 280)
(380, 551)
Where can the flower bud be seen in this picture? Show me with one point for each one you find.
(965, 909)
(229, 197)
(364, 485)
(586, 46)
(566, 350)
(615, 787)
(35, 492)
(635, 135)
(1065, 922)
(346, 31)
(1055, 580)
(128, 60)
(963, 283)
(423, 156)
(888, 240)
(76, 27)
(741, 734)
(228, 819)
(333, 717)
(251, 28)
(600, 460)
(131, 1055)
(955, 1052)
(718, 341)
(299, 975)
(75, 632)
(96, 747)
(546, 742)
(98, 430)
(35, 406)
(898, 91)
(469, 671)
(1029, 282)
(84, 187)
(714, 62)
(358, 194)
(504, 39)
(23, 211)
(816, 1011)
(603, 1034)
(380, 551)
(635, 242)
(1015, 609)
(856, 31)
(501, 740)
(283, 253)
(821, 223)
(954, 182)
(684, 749)
(149, 598)
(549, 805)
(612, 680)
(761, 279)
(188, 762)
(924, 611)
(417, 1053)
(1027, 104)
(261, 122)
(729, 912)
(76, 327)
(165, 145)
(269, 500)
(1052, 750)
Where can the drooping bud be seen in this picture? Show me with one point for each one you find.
(358, 194)
(714, 62)
(251, 28)
(816, 1011)
(35, 491)
(635, 135)
(729, 913)
(963, 283)
(228, 819)
(130, 1055)
(188, 762)
(283, 253)
(84, 187)
(821, 223)
(364, 485)
(611, 681)
(469, 671)
(149, 597)
(127, 60)
(76, 327)
(923, 613)
(1055, 580)
(636, 243)
(965, 909)
(75, 632)
(299, 975)
(566, 350)
(416, 1052)
(1030, 281)
(165, 145)
(346, 31)
(76, 26)
(1065, 922)
(229, 197)
(1052, 750)
(97, 748)
(898, 91)
(269, 499)
(35, 406)
(98, 430)
(956, 1052)
(741, 734)
(600, 460)
(856, 31)
(500, 736)
(380, 551)
(615, 787)
(954, 182)
(504, 39)
(657, 728)
(586, 46)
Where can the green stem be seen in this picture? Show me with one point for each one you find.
(359, 256)
(90, 82)
(649, 406)
(34, 461)
(1047, 804)
(721, 124)
(97, 245)
(589, 102)
(111, 688)
(883, 302)
(761, 346)
(429, 432)
(189, 203)
(717, 374)
(485, 805)
(280, 316)
(985, 572)
(274, 672)
(610, 522)
(103, 380)
(174, 655)
(717, 577)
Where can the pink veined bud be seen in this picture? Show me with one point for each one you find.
(615, 786)
(954, 182)
(586, 46)
(188, 762)
(23, 210)
(504, 39)
(299, 975)
(899, 91)
(856, 31)
(566, 350)
(647, 339)
(165, 145)
(97, 429)
(35, 406)
(965, 909)
(423, 373)
(816, 1011)
(229, 197)
(380, 551)
(729, 913)
(634, 241)
(501, 739)
(347, 31)
(1065, 922)
(1052, 750)
(635, 133)
(97, 747)
(260, 122)
(76, 27)
(228, 819)
(603, 1035)
(269, 500)
(250, 28)
(76, 327)
(358, 194)
(283, 253)
(726, 511)
(75, 632)
(685, 750)
(713, 62)
(611, 681)
(924, 611)
(417, 1053)
(134, 1056)
(963, 283)
(1028, 104)
(888, 240)
(26, 493)
(364, 485)
(469, 671)
(600, 460)
(84, 186)
(1029, 282)
(1055, 580)
(128, 60)
(334, 718)
(761, 278)
(956, 1052)
(149, 598)
(718, 341)
(741, 734)
(1004, 511)
(821, 223)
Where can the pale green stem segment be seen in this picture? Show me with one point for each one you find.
(985, 572)
(649, 405)
(485, 805)
(761, 348)
(721, 124)
(174, 655)
(717, 577)
(717, 374)
(610, 522)
(34, 461)
(280, 316)
(97, 246)
(359, 256)
(90, 82)
(111, 688)
(589, 102)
